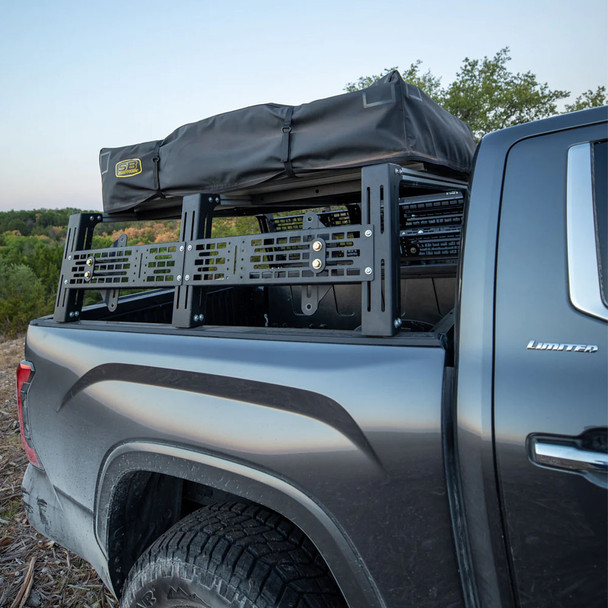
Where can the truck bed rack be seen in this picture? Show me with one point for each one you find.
(362, 244)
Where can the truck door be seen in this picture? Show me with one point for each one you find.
(551, 367)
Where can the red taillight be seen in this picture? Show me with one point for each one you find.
(25, 372)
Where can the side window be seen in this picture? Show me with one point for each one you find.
(600, 204)
(587, 228)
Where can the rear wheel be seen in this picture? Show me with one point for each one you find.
(231, 556)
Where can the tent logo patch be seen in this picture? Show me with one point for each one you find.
(128, 168)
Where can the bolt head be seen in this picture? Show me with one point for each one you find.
(210, 199)
(317, 246)
(69, 257)
(397, 323)
(368, 270)
(368, 233)
(65, 282)
(217, 199)
(189, 247)
(87, 274)
(89, 261)
(181, 247)
(71, 315)
(179, 277)
(316, 263)
(187, 277)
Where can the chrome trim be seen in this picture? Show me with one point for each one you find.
(583, 273)
(569, 457)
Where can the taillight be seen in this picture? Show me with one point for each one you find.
(25, 372)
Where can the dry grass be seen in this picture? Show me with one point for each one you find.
(34, 571)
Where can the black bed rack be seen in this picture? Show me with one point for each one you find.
(360, 245)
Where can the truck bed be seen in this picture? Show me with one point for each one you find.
(306, 415)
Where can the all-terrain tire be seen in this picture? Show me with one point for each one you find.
(231, 556)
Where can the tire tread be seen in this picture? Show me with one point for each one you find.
(253, 557)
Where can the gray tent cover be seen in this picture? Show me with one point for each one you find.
(390, 121)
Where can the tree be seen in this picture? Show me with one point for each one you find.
(589, 99)
(21, 298)
(487, 96)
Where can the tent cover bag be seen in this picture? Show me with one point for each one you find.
(390, 121)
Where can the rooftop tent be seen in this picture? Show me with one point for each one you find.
(390, 121)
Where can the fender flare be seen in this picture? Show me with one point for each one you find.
(249, 483)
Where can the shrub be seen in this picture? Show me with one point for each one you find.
(21, 298)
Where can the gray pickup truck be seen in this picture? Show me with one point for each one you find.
(393, 394)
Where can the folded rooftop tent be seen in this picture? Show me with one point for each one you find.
(390, 121)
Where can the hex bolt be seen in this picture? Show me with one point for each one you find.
(317, 245)
(397, 323)
(189, 247)
(368, 270)
(89, 261)
(181, 247)
(87, 274)
(187, 277)
(179, 278)
(317, 263)
(368, 233)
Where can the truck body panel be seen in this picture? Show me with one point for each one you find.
(323, 430)
(555, 520)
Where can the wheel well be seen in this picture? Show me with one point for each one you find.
(144, 506)
(135, 506)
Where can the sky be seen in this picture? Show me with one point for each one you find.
(78, 76)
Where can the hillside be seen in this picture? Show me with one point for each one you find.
(31, 249)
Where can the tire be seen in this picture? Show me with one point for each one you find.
(231, 556)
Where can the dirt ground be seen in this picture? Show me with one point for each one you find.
(34, 572)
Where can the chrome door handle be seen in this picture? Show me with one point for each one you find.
(567, 457)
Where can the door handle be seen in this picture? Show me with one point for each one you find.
(568, 457)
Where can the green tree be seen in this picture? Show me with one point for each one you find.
(21, 298)
(488, 96)
(589, 99)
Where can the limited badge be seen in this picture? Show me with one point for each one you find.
(128, 168)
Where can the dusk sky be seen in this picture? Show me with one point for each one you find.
(79, 76)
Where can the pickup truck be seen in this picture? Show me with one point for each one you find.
(428, 430)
